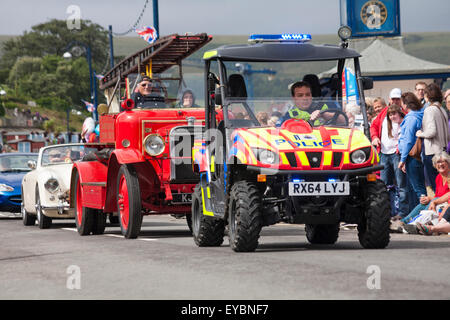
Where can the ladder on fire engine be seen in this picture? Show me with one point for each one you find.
(156, 58)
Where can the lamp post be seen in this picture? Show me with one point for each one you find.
(92, 83)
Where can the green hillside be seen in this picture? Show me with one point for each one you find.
(432, 46)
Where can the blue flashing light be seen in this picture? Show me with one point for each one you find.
(284, 37)
(298, 180)
(331, 180)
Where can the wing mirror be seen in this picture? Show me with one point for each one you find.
(31, 164)
(218, 97)
(367, 83)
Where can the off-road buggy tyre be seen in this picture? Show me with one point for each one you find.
(129, 204)
(207, 231)
(244, 216)
(84, 217)
(373, 230)
(322, 233)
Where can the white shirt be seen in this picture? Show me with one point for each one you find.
(389, 145)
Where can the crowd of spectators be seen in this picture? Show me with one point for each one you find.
(411, 134)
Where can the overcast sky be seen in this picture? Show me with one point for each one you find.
(215, 17)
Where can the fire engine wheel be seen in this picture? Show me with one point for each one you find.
(99, 224)
(207, 231)
(373, 230)
(244, 216)
(322, 233)
(84, 217)
(129, 202)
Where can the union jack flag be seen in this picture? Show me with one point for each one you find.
(149, 34)
(89, 106)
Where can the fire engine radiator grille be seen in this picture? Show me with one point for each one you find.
(181, 143)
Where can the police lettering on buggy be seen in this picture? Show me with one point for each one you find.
(308, 143)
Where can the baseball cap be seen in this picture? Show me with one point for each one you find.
(395, 93)
(145, 78)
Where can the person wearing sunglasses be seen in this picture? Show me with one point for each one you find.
(147, 95)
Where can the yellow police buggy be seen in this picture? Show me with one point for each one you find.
(292, 156)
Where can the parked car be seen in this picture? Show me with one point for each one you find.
(13, 166)
(45, 190)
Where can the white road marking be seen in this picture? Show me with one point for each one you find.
(112, 235)
(120, 236)
(69, 229)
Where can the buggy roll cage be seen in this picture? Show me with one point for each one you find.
(276, 52)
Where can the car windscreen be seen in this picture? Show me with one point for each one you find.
(62, 154)
(16, 163)
(275, 111)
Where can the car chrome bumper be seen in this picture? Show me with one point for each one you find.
(59, 208)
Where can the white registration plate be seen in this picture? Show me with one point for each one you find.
(322, 188)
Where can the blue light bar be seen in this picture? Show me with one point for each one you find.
(284, 37)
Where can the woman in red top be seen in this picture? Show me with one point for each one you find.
(441, 161)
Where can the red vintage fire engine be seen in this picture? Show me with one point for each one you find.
(137, 168)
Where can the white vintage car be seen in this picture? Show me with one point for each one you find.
(45, 189)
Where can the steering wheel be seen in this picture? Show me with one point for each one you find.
(333, 119)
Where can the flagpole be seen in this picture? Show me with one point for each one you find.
(95, 113)
(111, 48)
(156, 18)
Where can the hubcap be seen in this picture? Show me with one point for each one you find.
(123, 202)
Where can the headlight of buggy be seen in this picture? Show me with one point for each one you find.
(154, 144)
(52, 185)
(358, 156)
(266, 156)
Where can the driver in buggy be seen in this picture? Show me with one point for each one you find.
(304, 108)
(148, 95)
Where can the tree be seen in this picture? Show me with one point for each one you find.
(54, 82)
(52, 38)
(37, 70)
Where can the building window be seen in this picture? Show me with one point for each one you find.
(24, 147)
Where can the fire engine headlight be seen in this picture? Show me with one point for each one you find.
(52, 185)
(266, 156)
(154, 144)
(358, 156)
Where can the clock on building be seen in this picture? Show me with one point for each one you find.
(374, 14)
(371, 17)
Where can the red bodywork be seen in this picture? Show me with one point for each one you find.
(121, 140)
